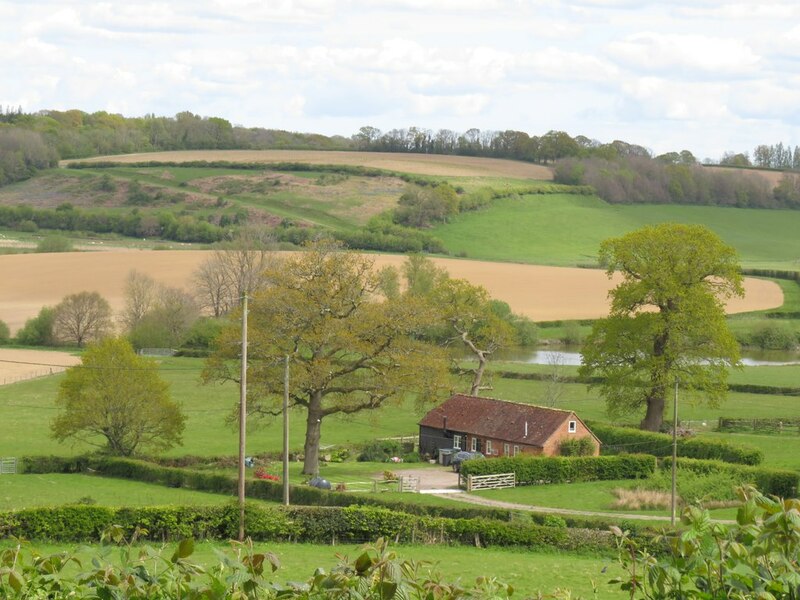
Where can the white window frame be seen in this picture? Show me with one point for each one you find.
(572, 427)
(516, 450)
(473, 444)
(488, 447)
(457, 441)
(506, 449)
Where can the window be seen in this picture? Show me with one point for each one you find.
(506, 450)
(457, 441)
(573, 426)
(474, 446)
(516, 450)
(488, 446)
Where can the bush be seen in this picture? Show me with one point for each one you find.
(381, 451)
(619, 440)
(536, 470)
(773, 336)
(576, 447)
(5, 333)
(54, 243)
(38, 331)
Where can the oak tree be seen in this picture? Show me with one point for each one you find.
(667, 319)
(351, 348)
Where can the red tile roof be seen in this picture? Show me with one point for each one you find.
(497, 419)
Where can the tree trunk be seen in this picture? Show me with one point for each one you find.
(655, 409)
(313, 431)
(656, 397)
(476, 381)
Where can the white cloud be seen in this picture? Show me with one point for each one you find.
(713, 56)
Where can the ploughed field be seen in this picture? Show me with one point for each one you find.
(539, 292)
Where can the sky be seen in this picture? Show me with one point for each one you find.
(709, 76)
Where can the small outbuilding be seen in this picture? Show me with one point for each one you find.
(499, 428)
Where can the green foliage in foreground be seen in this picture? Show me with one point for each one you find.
(758, 557)
(151, 574)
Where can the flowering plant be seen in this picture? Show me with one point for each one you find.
(260, 473)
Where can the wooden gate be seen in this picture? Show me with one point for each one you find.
(491, 482)
(409, 483)
(8, 466)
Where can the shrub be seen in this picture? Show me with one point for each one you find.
(576, 447)
(618, 440)
(5, 333)
(38, 331)
(534, 470)
(774, 336)
(380, 451)
(54, 243)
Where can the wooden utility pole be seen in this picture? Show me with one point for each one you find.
(674, 454)
(286, 432)
(242, 418)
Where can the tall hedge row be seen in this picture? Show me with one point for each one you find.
(558, 469)
(220, 483)
(777, 482)
(620, 440)
(354, 524)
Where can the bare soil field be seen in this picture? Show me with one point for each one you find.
(19, 365)
(30, 281)
(421, 164)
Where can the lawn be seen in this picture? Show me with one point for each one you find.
(591, 496)
(53, 489)
(529, 572)
(564, 229)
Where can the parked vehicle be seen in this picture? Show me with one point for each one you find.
(462, 456)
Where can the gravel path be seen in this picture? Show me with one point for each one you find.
(470, 499)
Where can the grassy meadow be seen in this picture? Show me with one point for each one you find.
(565, 230)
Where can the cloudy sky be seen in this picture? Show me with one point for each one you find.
(705, 75)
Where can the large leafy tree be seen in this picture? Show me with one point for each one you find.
(351, 349)
(667, 319)
(116, 400)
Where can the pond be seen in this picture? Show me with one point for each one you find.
(570, 356)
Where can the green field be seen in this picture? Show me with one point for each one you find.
(29, 406)
(529, 572)
(54, 489)
(567, 230)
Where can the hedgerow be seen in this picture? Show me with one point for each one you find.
(776, 482)
(542, 469)
(618, 440)
(316, 524)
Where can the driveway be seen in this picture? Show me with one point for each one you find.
(432, 478)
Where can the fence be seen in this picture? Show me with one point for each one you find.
(8, 466)
(491, 482)
(772, 425)
(16, 377)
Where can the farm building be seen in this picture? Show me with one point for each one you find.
(499, 428)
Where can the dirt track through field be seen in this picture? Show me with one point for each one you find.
(30, 281)
(421, 164)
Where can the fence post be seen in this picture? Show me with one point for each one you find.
(469, 483)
